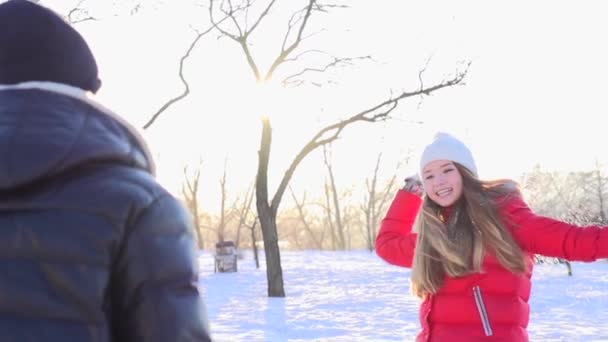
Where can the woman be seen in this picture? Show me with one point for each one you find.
(470, 245)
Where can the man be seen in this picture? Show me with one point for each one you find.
(92, 248)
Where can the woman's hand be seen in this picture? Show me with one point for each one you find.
(413, 185)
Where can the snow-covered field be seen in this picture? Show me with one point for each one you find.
(355, 296)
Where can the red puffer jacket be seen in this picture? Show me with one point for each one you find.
(493, 305)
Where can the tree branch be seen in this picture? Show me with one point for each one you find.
(335, 63)
(376, 113)
(74, 15)
(227, 14)
(186, 90)
(242, 36)
(302, 214)
(286, 51)
(264, 14)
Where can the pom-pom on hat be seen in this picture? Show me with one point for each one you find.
(446, 147)
(36, 44)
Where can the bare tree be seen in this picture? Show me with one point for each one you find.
(328, 219)
(239, 28)
(600, 192)
(80, 11)
(376, 201)
(244, 212)
(182, 61)
(79, 14)
(224, 215)
(318, 242)
(334, 217)
(575, 197)
(182, 77)
(253, 242)
(291, 231)
(190, 191)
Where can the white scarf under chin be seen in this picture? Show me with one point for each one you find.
(84, 96)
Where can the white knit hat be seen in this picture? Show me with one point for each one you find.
(445, 146)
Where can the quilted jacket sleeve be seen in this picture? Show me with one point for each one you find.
(546, 236)
(396, 242)
(154, 291)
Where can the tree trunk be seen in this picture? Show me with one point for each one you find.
(369, 229)
(600, 195)
(237, 240)
(197, 227)
(254, 246)
(244, 213)
(333, 193)
(222, 225)
(190, 193)
(274, 272)
(267, 215)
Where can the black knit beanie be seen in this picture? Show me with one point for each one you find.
(36, 44)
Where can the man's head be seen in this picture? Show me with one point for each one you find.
(36, 44)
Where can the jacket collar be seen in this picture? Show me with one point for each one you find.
(85, 96)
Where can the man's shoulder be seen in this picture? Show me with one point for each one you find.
(112, 188)
(133, 180)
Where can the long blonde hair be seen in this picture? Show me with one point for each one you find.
(457, 247)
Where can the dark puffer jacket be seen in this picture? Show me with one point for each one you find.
(91, 247)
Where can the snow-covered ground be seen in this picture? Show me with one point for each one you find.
(355, 296)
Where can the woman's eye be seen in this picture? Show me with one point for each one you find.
(428, 177)
(448, 170)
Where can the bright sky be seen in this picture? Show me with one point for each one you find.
(534, 93)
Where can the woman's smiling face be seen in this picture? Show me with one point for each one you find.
(442, 182)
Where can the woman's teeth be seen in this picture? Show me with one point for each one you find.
(444, 192)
